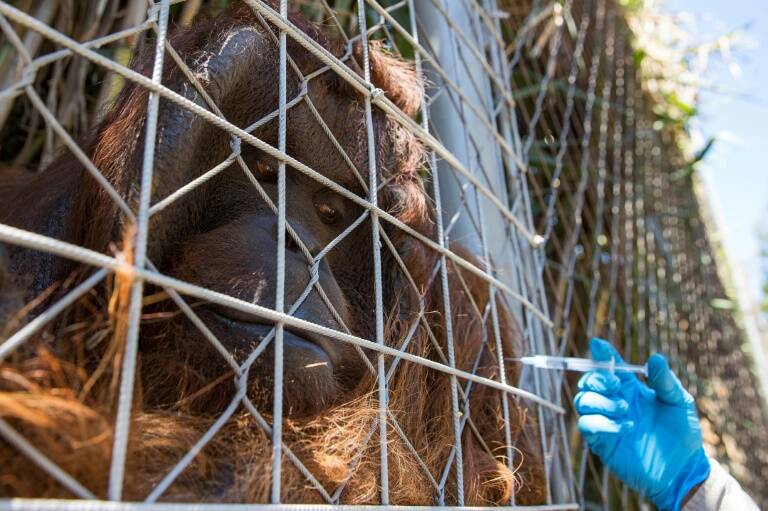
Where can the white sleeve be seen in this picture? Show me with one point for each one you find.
(720, 492)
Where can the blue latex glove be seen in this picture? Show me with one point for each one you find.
(648, 435)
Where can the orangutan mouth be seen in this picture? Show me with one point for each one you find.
(241, 325)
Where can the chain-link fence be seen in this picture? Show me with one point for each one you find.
(628, 253)
(294, 258)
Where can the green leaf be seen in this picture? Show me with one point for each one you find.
(723, 304)
(687, 109)
(639, 56)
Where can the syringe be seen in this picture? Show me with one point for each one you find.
(581, 364)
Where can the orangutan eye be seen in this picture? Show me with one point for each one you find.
(327, 213)
(263, 172)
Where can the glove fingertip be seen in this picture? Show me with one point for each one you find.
(598, 424)
(656, 364)
(603, 350)
(595, 403)
(600, 381)
(661, 379)
(586, 425)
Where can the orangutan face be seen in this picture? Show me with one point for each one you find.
(235, 252)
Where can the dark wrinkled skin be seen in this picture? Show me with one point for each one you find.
(223, 235)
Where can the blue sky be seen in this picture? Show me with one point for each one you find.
(735, 111)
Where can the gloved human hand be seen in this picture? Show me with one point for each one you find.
(647, 435)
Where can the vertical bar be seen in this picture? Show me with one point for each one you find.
(642, 153)
(449, 343)
(602, 171)
(373, 198)
(277, 395)
(650, 246)
(128, 376)
(499, 349)
(629, 169)
(618, 161)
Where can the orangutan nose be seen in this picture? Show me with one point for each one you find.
(269, 223)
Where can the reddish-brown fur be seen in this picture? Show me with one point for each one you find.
(60, 393)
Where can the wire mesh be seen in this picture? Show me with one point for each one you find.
(309, 247)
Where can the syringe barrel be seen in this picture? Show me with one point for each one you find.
(580, 364)
(585, 364)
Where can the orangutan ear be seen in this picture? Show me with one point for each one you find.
(396, 77)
